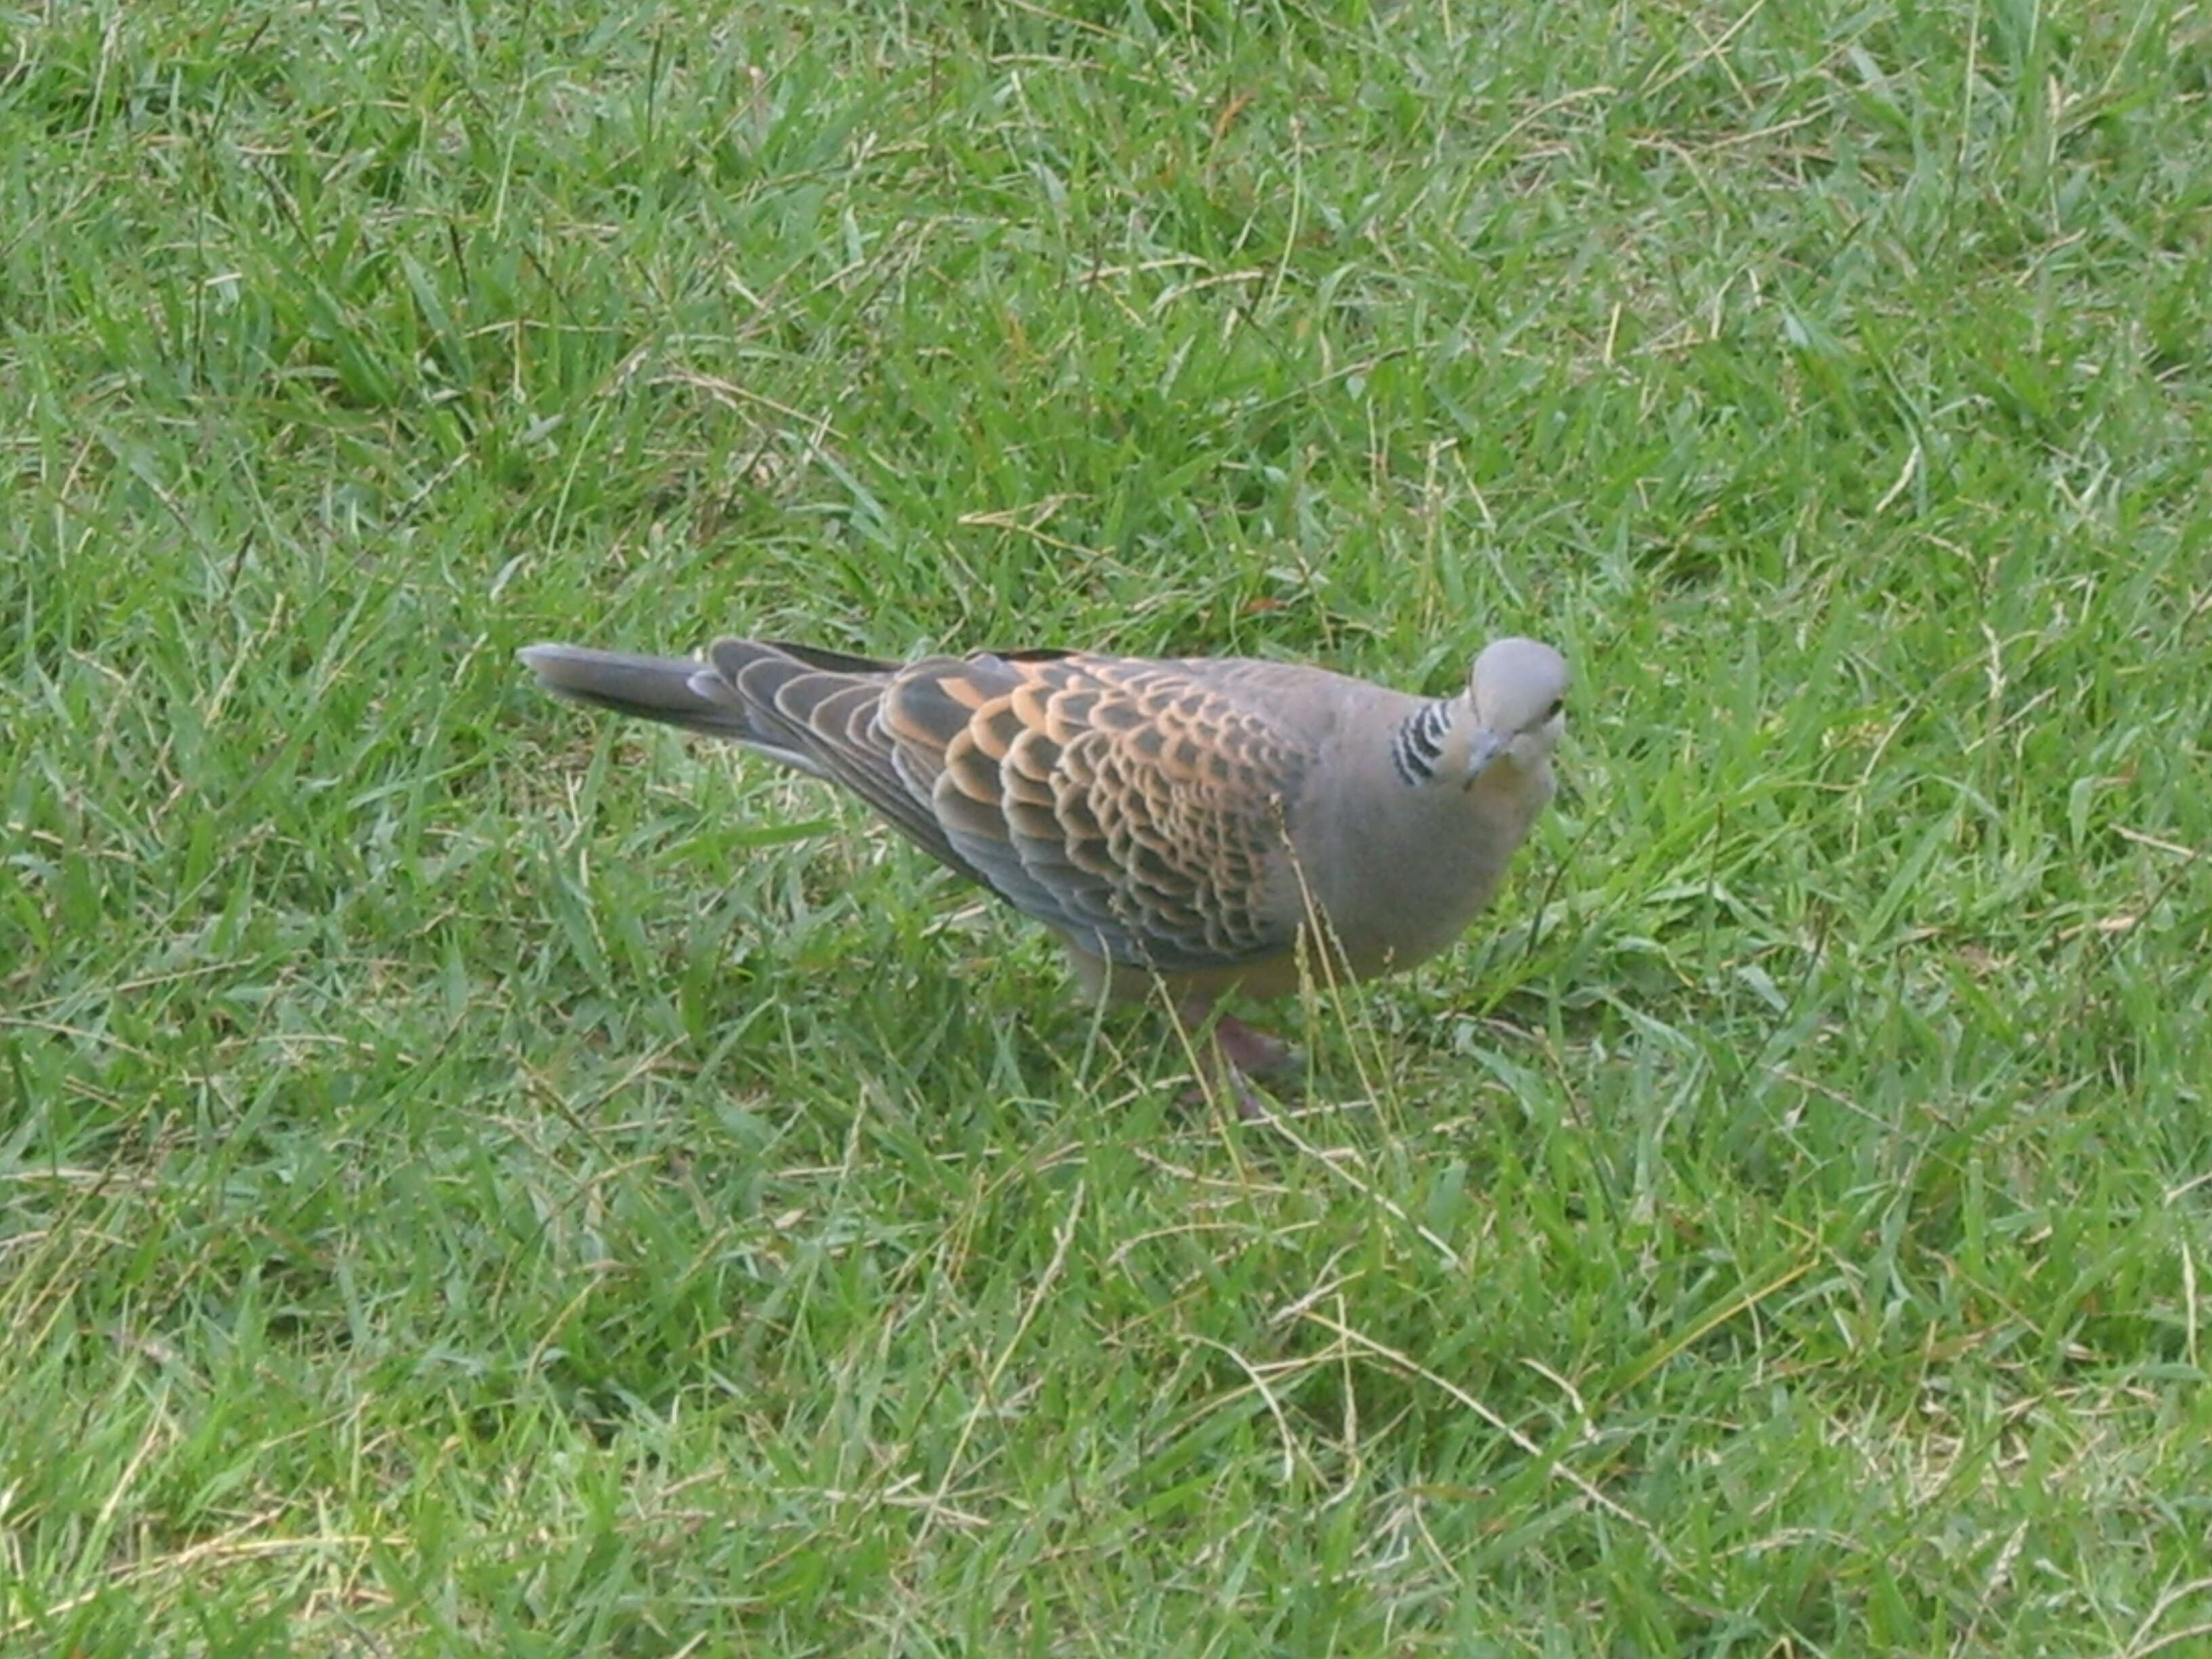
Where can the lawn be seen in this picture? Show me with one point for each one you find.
(479, 1179)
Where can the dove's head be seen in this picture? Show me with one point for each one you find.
(1517, 690)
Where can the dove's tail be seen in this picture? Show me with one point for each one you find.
(674, 691)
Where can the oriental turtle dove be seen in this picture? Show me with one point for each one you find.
(1190, 822)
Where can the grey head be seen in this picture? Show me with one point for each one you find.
(1515, 710)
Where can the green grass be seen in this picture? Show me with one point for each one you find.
(477, 1180)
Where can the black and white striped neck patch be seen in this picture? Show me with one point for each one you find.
(1419, 740)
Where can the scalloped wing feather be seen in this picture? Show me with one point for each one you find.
(1137, 806)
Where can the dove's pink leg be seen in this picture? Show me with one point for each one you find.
(1231, 1053)
(1254, 1052)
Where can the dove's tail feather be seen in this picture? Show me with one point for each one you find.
(673, 691)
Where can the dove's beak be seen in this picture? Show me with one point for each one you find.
(1482, 748)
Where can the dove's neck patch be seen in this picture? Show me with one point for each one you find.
(1418, 743)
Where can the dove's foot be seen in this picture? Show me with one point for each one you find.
(1231, 1054)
